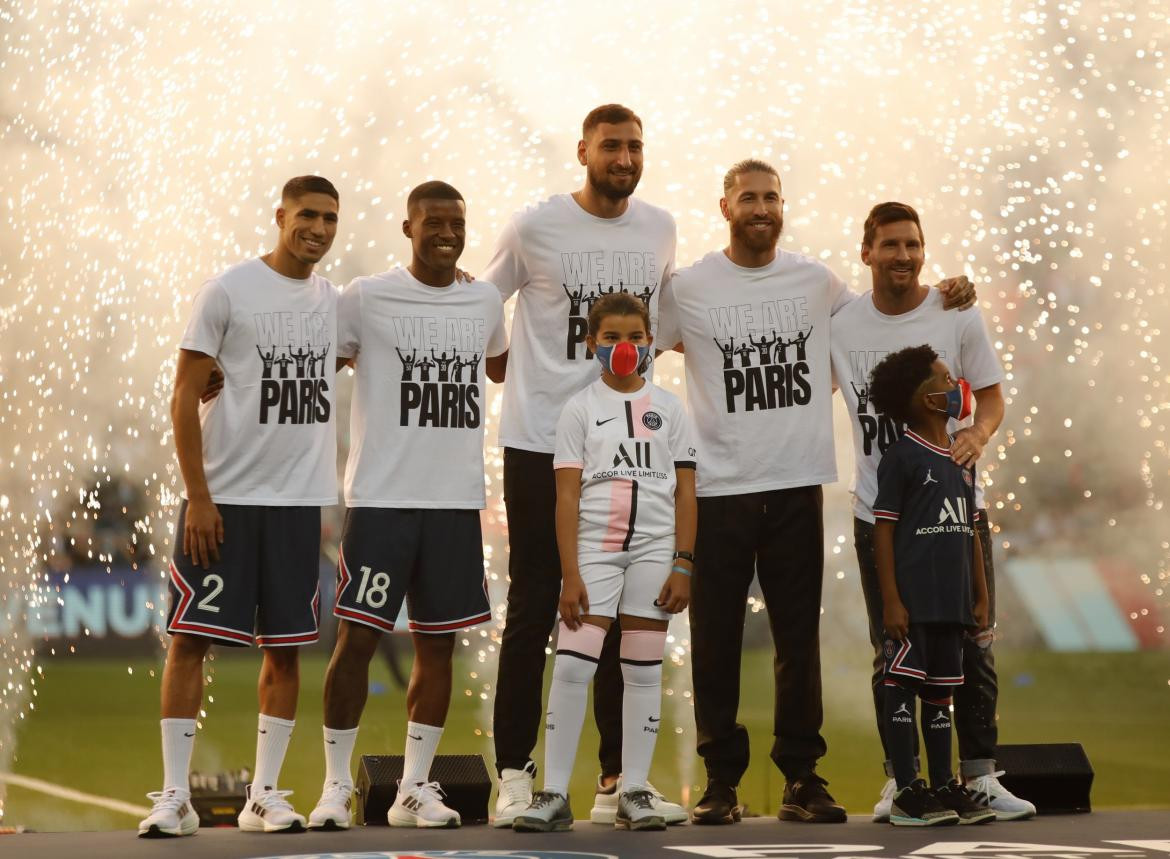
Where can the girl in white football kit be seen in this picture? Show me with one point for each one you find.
(625, 519)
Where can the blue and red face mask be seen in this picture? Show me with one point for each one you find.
(958, 405)
(623, 359)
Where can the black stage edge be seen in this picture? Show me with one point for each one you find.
(1086, 836)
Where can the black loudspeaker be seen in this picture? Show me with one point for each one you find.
(1055, 777)
(464, 779)
(218, 799)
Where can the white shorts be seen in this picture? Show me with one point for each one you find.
(627, 582)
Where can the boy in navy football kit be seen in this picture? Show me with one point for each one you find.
(626, 519)
(930, 568)
(413, 491)
(258, 463)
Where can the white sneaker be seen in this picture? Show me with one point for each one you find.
(605, 805)
(1007, 806)
(332, 811)
(881, 811)
(636, 811)
(170, 816)
(421, 805)
(515, 795)
(269, 811)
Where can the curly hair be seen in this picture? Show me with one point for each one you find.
(896, 377)
(617, 304)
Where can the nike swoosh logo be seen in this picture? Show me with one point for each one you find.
(332, 742)
(413, 737)
(188, 735)
(607, 420)
(652, 719)
(263, 731)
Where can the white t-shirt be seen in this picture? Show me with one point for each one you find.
(628, 447)
(269, 437)
(417, 414)
(863, 335)
(560, 258)
(759, 384)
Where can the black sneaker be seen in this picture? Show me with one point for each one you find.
(807, 800)
(915, 805)
(961, 801)
(718, 805)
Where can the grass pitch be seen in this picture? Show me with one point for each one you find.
(95, 729)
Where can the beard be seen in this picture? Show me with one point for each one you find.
(754, 241)
(600, 181)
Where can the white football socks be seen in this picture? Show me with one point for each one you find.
(339, 753)
(573, 670)
(272, 736)
(641, 661)
(178, 739)
(422, 741)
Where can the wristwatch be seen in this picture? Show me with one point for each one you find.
(684, 556)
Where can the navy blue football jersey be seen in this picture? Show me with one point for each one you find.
(932, 500)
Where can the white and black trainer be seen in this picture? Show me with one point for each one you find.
(171, 815)
(269, 811)
(334, 806)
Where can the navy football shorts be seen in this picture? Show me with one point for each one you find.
(432, 559)
(930, 655)
(264, 587)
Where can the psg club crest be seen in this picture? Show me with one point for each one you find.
(889, 649)
(967, 478)
(652, 420)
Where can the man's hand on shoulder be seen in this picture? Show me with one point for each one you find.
(958, 293)
(967, 446)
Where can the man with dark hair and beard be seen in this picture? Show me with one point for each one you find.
(766, 446)
(596, 240)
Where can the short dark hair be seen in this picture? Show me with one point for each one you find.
(610, 113)
(433, 190)
(618, 304)
(889, 213)
(748, 165)
(299, 186)
(897, 377)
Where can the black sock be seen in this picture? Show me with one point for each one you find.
(936, 736)
(900, 731)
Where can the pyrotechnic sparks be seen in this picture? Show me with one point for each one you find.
(143, 146)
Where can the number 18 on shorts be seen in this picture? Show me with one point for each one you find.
(432, 559)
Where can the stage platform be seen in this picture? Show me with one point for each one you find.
(1101, 835)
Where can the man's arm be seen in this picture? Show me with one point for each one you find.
(497, 367)
(203, 530)
(968, 443)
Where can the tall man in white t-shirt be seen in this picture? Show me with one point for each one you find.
(765, 429)
(558, 258)
(901, 312)
(258, 463)
(413, 491)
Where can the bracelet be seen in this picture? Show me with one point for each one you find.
(677, 569)
(684, 556)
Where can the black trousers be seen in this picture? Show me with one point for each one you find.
(779, 536)
(534, 567)
(976, 699)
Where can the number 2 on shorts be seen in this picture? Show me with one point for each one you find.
(205, 603)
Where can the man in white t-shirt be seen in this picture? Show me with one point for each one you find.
(754, 324)
(413, 491)
(258, 463)
(899, 313)
(558, 259)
